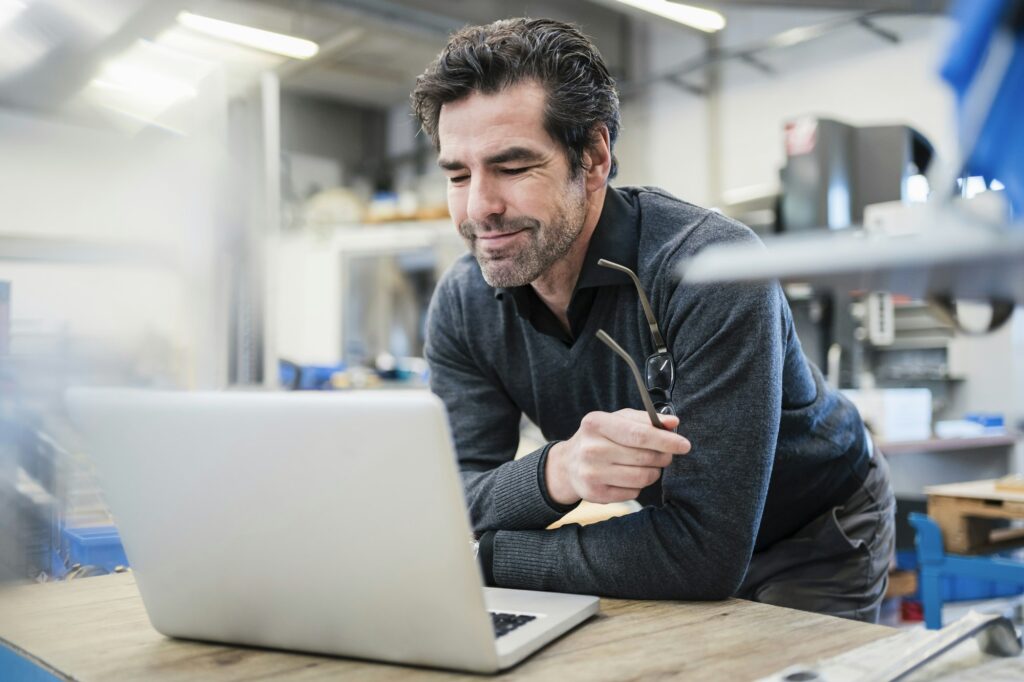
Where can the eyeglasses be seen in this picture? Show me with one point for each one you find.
(660, 371)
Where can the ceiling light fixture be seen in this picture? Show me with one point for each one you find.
(268, 41)
(695, 17)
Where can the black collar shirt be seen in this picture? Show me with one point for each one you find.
(614, 239)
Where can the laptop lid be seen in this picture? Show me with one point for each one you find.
(323, 522)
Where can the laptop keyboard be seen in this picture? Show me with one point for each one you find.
(505, 623)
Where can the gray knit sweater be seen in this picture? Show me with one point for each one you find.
(773, 446)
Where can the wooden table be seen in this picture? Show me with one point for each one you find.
(96, 629)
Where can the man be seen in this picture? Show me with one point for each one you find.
(773, 494)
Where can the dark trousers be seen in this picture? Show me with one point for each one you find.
(837, 564)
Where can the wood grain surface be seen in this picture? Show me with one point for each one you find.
(96, 629)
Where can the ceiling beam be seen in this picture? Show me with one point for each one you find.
(883, 33)
(751, 52)
(393, 13)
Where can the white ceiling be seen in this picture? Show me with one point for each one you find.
(371, 67)
(370, 50)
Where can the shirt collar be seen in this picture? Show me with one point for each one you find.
(614, 238)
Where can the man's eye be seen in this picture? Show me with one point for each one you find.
(457, 179)
(514, 171)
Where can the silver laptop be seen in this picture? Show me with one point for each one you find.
(325, 523)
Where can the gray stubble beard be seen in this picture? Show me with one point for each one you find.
(548, 243)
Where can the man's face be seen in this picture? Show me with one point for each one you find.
(509, 186)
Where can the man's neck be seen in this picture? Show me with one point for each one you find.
(556, 285)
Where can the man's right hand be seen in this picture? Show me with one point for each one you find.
(612, 457)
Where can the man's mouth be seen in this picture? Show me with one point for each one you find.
(494, 240)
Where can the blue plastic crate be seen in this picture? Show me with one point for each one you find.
(94, 546)
(959, 588)
(989, 420)
(306, 377)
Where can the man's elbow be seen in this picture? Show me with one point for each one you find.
(711, 579)
(716, 586)
(724, 585)
(723, 573)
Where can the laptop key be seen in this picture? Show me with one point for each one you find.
(505, 623)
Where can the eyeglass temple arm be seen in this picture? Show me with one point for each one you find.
(644, 395)
(659, 342)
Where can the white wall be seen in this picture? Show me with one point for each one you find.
(663, 139)
(664, 142)
(159, 309)
(308, 300)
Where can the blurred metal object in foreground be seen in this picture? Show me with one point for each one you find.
(945, 251)
(897, 657)
(942, 251)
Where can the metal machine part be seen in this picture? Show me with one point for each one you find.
(895, 658)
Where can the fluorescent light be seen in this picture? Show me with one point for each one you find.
(694, 17)
(268, 41)
(937, 251)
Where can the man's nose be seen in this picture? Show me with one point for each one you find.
(485, 200)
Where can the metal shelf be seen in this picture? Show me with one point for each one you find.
(949, 444)
(80, 251)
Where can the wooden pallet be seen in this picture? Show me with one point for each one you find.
(972, 515)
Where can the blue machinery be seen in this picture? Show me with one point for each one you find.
(934, 564)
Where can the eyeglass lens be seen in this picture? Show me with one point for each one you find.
(660, 372)
(662, 403)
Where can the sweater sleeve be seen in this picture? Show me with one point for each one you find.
(727, 345)
(501, 492)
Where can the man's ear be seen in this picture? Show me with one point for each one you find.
(597, 158)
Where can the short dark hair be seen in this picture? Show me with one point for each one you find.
(487, 59)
